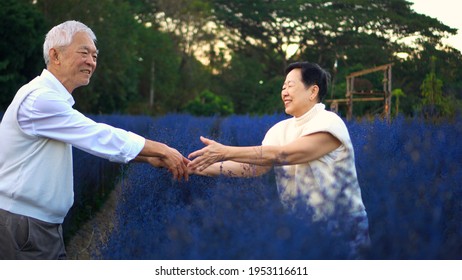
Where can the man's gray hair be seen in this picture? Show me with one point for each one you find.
(61, 36)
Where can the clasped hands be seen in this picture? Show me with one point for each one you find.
(181, 167)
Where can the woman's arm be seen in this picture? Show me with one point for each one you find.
(302, 150)
(232, 169)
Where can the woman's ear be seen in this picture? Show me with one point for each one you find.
(313, 91)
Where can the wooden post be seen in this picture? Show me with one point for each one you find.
(386, 93)
(349, 96)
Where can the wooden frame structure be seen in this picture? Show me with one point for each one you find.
(368, 95)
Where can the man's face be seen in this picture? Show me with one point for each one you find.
(297, 98)
(78, 61)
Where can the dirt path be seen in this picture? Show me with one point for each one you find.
(84, 245)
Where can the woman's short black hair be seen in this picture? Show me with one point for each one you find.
(312, 74)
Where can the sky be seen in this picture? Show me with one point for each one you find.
(446, 11)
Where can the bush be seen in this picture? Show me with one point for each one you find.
(209, 104)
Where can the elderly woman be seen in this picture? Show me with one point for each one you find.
(312, 155)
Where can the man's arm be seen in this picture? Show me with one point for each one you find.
(302, 150)
(47, 114)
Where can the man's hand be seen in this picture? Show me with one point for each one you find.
(176, 164)
(162, 156)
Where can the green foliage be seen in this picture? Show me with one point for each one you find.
(397, 93)
(22, 29)
(152, 52)
(209, 104)
(434, 103)
(351, 33)
(409, 73)
(115, 82)
(159, 78)
(5, 77)
(187, 24)
(251, 86)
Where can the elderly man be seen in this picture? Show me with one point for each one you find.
(38, 131)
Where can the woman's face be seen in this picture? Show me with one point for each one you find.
(298, 99)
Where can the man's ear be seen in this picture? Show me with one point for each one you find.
(54, 56)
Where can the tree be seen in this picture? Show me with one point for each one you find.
(248, 84)
(263, 24)
(22, 29)
(434, 104)
(328, 28)
(159, 78)
(155, 50)
(189, 25)
(342, 33)
(115, 82)
(397, 93)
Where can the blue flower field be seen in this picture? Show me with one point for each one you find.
(409, 172)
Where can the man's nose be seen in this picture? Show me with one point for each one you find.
(91, 61)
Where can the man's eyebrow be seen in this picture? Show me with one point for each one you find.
(87, 48)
